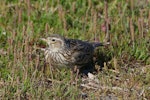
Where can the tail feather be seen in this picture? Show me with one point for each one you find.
(97, 44)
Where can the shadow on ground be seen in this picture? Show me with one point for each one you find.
(100, 58)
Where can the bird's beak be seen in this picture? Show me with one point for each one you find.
(43, 39)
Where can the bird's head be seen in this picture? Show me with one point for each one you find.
(55, 42)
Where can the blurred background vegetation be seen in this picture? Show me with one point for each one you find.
(124, 23)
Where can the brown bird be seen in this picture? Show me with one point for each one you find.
(71, 53)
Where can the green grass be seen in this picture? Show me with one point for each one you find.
(126, 71)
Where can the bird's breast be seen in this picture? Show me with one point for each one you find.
(57, 58)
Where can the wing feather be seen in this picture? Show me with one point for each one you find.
(82, 52)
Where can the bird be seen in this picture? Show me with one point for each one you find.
(70, 53)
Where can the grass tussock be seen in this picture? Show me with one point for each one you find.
(125, 72)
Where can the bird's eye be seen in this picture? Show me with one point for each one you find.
(53, 40)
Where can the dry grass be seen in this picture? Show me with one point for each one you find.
(126, 61)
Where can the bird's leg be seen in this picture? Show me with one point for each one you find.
(71, 76)
(77, 74)
(76, 69)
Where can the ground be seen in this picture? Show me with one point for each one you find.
(123, 67)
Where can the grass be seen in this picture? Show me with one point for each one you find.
(126, 61)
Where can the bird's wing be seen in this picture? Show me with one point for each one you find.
(82, 52)
(80, 46)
